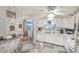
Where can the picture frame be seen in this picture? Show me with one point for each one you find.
(12, 28)
(20, 26)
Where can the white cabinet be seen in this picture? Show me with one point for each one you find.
(69, 43)
(40, 37)
(51, 38)
(71, 23)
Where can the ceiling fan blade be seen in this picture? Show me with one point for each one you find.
(58, 13)
(56, 10)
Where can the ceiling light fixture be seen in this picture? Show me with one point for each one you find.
(51, 15)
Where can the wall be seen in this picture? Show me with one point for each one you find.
(21, 13)
(5, 22)
(2, 21)
(67, 22)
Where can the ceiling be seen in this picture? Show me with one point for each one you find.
(62, 10)
(44, 10)
(59, 11)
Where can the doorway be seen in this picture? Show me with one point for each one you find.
(28, 28)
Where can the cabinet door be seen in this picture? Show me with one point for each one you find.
(40, 37)
(65, 23)
(56, 39)
(71, 23)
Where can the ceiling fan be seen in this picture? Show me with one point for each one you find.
(53, 10)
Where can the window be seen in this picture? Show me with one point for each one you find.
(50, 22)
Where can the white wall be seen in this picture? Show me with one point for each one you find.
(67, 22)
(5, 22)
(21, 12)
(2, 21)
(15, 22)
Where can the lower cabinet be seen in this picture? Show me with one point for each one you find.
(51, 38)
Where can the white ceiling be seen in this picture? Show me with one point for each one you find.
(65, 10)
(61, 11)
(44, 10)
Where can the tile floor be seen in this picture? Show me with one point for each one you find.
(17, 46)
(47, 48)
